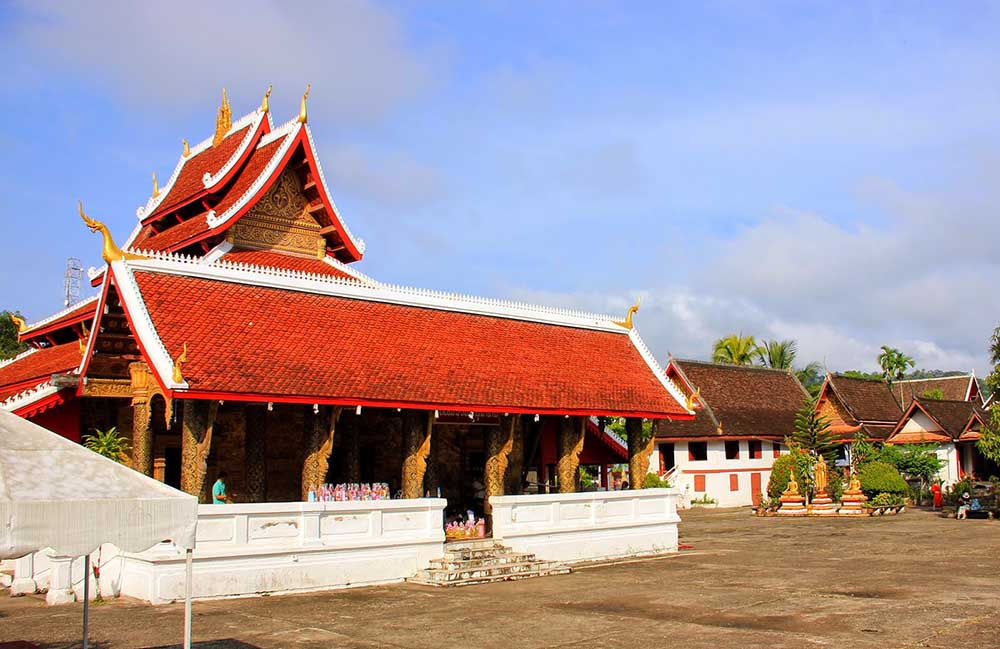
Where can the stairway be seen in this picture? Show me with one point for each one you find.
(483, 561)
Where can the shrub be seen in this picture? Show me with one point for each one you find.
(780, 472)
(952, 493)
(654, 481)
(879, 477)
(886, 500)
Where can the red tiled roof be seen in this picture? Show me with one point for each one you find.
(82, 313)
(37, 366)
(746, 401)
(275, 259)
(189, 181)
(953, 417)
(277, 343)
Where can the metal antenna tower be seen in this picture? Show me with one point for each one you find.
(71, 281)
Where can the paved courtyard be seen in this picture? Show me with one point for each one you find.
(914, 581)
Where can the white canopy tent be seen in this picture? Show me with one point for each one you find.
(56, 494)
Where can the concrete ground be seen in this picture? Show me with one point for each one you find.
(915, 580)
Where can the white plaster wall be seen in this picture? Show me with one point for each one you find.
(287, 547)
(920, 423)
(717, 483)
(948, 453)
(588, 526)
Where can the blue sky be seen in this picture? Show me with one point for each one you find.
(820, 171)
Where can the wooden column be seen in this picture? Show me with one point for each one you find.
(196, 442)
(142, 434)
(417, 427)
(515, 461)
(318, 445)
(351, 447)
(499, 443)
(255, 453)
(571, 435)
(639, 449)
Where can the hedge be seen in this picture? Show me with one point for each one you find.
(879, 477)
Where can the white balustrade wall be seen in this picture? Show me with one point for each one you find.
(588, 526)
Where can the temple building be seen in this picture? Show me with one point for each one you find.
(744, 414)
(854, 405)
(232, 332)
(964, 387)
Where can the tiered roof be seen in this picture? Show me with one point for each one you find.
(736, 401)
(953, 421)
(859, 404)
(275, 335)
(953, 388)
(68, 324)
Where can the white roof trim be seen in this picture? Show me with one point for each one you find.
(658, 371)
(29, 396)
(612, 435)
(228, 271)
(358, 243)
(143, 329)
(24, 354)
(216, 253)
(215, 221)
(253, 119)
(56, 316)
(350, 270)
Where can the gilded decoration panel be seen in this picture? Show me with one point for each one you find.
(107, 388)
(280, 220)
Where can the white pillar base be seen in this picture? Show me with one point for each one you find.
(24, 577)
(60, 582)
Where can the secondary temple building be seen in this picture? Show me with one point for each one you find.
(233, 332)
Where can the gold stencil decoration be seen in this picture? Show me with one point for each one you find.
(280, 221)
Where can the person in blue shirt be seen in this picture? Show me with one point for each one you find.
(219, 495)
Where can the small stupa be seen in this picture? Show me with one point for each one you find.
(792, 502)
(853, 500)
(822, 503)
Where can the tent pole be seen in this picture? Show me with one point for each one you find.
(187, 597)
(86, 599)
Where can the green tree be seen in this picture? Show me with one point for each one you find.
(735, 349)
(811, 377)
(9, 345)
(935, 394)
(812, 432)
(893, 363)
(862, 451)
(858, 374)
(109, 443)
(989, 438)
(880, 477)
(777, 354)
(993, 380)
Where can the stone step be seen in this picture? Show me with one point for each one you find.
(472, 544)
(476, 553)
(449, 563)
(535, 570)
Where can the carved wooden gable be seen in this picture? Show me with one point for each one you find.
(281, 221)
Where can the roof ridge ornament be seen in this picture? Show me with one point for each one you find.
(19, 323)
(694, 399)
(156, 186)
(111, 252)
(627, 322)
(187, 149)
(177, 375)
(264, 105)
(303, 118)
(82, 341)
(223, 121)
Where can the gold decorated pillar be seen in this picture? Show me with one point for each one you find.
(416, 446)
(319, 444)
(515, 461)
(499, 443)
(255, 453)
(572, 431)
(350, 447)
(142, 434)
(640, 447)
(196, 442)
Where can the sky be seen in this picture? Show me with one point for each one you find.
(822, 171)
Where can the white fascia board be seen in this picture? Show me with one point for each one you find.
(350, 270)
(60, 314)
(658, 371)
(29, 396)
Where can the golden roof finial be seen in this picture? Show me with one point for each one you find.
(18, 322)
(111, 252)
(718, 428)
(302, 109)
(264, 105)
(178, 377)
(156, 186)
(223, 121)
(82, 342)
(627, 322)
(694, 399)
(187, 149)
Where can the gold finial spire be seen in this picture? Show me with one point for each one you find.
(18, 322)
(302, 108)
(718, 428)
(627, 322)
(694, 399)
(82, 342)
(111, 252)
(223, 121)
(187, 149)
(178, 377)
(156, 186)
(264, 105)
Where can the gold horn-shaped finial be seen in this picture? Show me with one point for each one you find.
(18, 322)
(627, 322)
(264, 105)
(223, 121)
(111, 252)
(187, 149)
(84, 337)
(178, 376)
(302, 108)
(693, 399)
(156, 186)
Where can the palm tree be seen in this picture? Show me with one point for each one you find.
(893, 363)
(109, 443)
(735, 349)
(777, 354)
